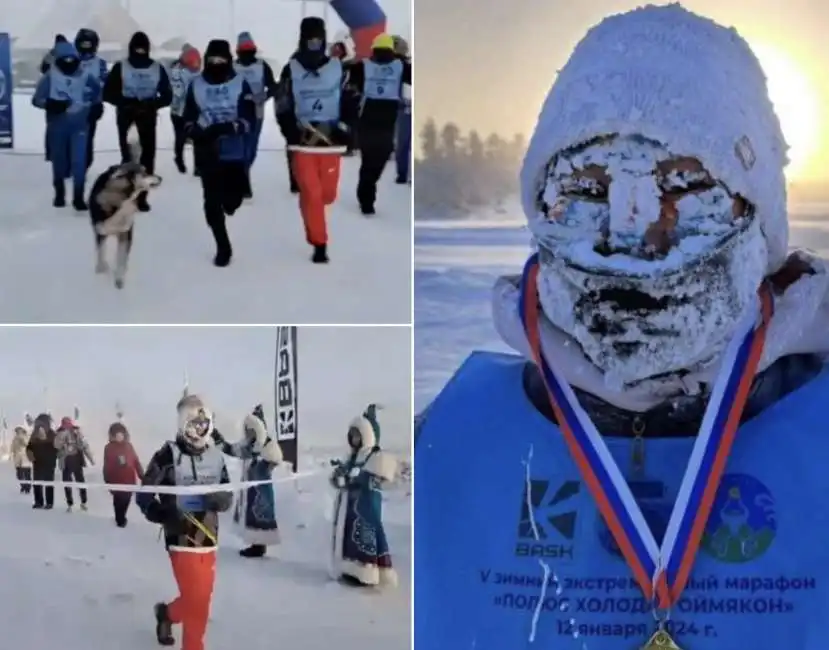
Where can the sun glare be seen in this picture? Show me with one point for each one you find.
(796, 102)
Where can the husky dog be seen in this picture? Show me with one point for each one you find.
(113, 204)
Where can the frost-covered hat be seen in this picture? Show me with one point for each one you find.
(672, 76)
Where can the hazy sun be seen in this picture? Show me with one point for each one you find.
(796, 102)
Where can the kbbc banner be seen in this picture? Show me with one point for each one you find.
(6, 93)
(286, 395)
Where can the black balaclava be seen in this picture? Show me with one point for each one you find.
(246, 57)
(139, 50)
(60, 38)
(67, 59)
(87, 42)
(383, 55)
(312, 36)
(218, 62)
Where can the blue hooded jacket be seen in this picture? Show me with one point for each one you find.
(78, 111)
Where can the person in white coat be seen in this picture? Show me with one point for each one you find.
(22, 464)
(255, 511)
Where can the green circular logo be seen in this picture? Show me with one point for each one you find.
(743, 520)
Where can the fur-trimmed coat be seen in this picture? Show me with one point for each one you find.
(18, 448)
(360, 549)
(255, 510)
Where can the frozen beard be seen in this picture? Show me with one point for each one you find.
(645, 260)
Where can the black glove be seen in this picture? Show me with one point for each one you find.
(96, 112)
(164, 515)
(57, 106)
(215, 131)
(341, 135)
(218, 501)
(217, 437)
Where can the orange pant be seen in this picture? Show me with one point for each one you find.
(195, 574)
(318, 177)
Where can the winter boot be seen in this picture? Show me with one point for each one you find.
(401, 181)
(224, 251)
(84, 507)
(78, 201)
(60, 194)
(163, 625)
(69, 508)
(182, 168)
(254, 550)
(320, 255)
(247, 190)
(141, 202)
(367, 210)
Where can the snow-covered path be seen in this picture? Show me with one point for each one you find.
(47, 259)
(75, 581)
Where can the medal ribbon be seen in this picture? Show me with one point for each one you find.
(662, 572)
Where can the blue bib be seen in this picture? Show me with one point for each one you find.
(493, 472)
(317, 94)
(382, 80)
(74, 88)
(219, 103)
(191, 502)
(140, 83)
(180, 79)
(254, 74)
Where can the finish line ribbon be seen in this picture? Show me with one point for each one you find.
(173, 489)
(662, 572)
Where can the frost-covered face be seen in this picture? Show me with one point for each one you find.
(646, 259)
(195, 425)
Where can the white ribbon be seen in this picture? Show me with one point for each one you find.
(173, 489)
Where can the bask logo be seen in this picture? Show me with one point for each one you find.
(547, 520)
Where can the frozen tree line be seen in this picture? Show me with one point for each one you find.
(458, 173)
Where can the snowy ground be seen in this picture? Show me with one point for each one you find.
(76, 581)
(456, 264)
(47, 261)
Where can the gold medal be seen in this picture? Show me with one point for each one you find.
(661, 640)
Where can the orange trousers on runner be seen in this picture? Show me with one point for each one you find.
(195, 575)
(318, 178)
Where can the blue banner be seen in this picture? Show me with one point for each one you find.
(6, 93)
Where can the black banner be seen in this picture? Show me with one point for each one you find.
(286, 395)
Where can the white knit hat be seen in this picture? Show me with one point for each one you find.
(682, 80)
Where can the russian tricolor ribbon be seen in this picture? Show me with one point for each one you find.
(661, 571)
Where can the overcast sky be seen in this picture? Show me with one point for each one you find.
(341, 370)
(273, 23)
(488, 64)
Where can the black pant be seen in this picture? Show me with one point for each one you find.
(376, 148)
(178, 136)
(294, 186)
(44, 495)
(73, 472)
(120, 504)
(223, 186)
(24, 474)
(145, 125)
(90, 142)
